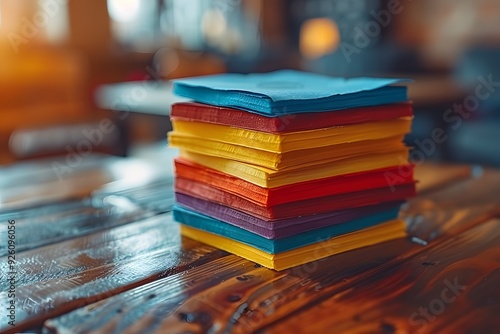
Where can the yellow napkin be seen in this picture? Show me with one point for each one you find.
(300, 140)
(269, 178)
(273, 160)
(369, 236)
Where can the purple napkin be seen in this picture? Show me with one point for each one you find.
(278, 228)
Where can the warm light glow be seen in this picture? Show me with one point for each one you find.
(217, 33)
(213, 24)
(318, 37)
(123, 10)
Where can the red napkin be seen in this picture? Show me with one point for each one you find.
(295, 208)
(294, 122)
(295, 192)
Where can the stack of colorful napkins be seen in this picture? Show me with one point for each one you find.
(288, 167)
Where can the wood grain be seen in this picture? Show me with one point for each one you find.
(61, 277)
(451, 287)
(259, 299)
(143, 277)
(454, 208)
(65, 220)
(429, 180)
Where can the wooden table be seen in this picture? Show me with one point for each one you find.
(110, 260)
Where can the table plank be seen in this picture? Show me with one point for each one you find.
(211, 290)
(454, 207)
(451, 287)
(244, 301)
(55, 279)
(31, 184)
(237, 303)
(36, 227)
(258, 297)
(433, 176)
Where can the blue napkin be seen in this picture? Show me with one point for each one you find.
(197, 220)
(288, 91)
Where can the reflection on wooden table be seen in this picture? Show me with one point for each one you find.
(101, 254)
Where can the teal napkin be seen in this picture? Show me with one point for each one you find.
(288, 91)
(200, 221)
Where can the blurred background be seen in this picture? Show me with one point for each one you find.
(62, 60)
